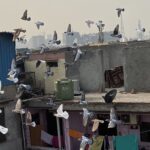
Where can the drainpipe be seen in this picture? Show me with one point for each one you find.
(58, 131)
(23, 133)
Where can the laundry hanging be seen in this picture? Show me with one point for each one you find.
(126, 142)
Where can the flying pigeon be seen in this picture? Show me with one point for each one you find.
(22, 39)
(13, 68)
(29, 121)
(39, 23)
(100, 25)
(89, 22)
(60, 112)
(86, 116)
(17, 33)
(1, 92)
(3, 130)
(78, 54)
(109, 97)
(25, 16)
(43, 48)
(113, 119)
(39, 62)
(82, 100)
(119, 10)
(18, 108)
(96, 124)
(116, 32)
(48, 72)
(69, 32)
(54, 40)
(84, 141)
(13, 78)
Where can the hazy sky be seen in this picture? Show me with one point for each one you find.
(57, 14)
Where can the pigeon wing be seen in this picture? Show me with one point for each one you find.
(55, 36)
(24, 17)
(60, 109)
(69, 28)
(116, 30)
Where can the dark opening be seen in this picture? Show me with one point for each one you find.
(52, 64)
(2, 123)
(114, 78)
(103, 127)
(36, 118)
(145, 131)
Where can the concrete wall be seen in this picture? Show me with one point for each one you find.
(137, 66)
(48, 84)
(13, 123)
(89, 69)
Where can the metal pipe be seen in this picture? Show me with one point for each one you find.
(58, 131)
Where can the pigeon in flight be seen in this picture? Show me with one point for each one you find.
(48, 72)
(54, 40)
(25, 16)
(3, 130)
(29, 121)
(22, 39)
(39, 23)
(17, 33)
(43, 48)
(109, 97)
(38, 62)
(18, 107)
(13, 78)
(89, 23)
(84, 141)
(96, 124)
(86, 116)
(1, 92)
(78, 54)
(113, 119)
(100, 25)
(119, 10)
(13, 67)
(116, 32)
(61, 113)
(69, 32)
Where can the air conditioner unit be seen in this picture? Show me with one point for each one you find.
(76, 87)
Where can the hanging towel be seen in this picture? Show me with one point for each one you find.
(126, 142)
(97, 143)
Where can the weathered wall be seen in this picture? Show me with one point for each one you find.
(137, 66)
(13, 123)
(89, 69)
(48, 84)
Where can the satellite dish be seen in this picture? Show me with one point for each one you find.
(109, 97)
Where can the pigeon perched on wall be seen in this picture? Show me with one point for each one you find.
(54, 40)
(29, 121)
(18, 107)
(113, 119)
(109, 97)
(82, 100)
(43, 48)
(1, 92)
(22, 39)
(38, 24)
(119, 10)
(89, 23)
(69, 31)
(25, 16)
(96, 123)
(116, 32)
(17, 33)
(61, 113)
(3, 130)
(100, 25)
(38, 62)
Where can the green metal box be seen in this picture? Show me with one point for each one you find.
(64, 89)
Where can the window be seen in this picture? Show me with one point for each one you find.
(52, 63)
(145, 131)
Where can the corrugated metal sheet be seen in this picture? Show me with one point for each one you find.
(7, 53)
